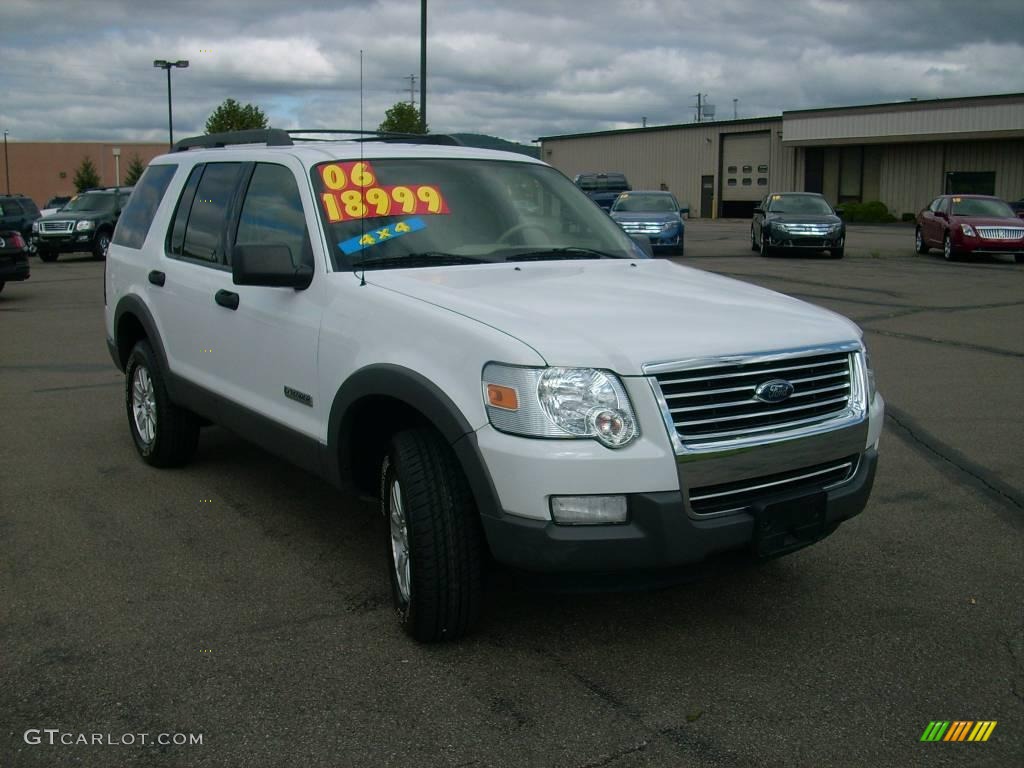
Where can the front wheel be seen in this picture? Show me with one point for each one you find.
(837, 253)
(165, 434)
(99, 249)
(766, 251)
(434, 540)
(753, 242)
(919, 244)
(947, 248)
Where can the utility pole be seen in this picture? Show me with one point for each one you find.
(7, 164)
(734, 102)
(698, 108)
(423, 65)
(643, 122)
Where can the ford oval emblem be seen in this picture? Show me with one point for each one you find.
(774, 391)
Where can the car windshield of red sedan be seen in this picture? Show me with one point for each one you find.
(973, 206)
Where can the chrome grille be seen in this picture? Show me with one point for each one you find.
(1001, 233)
(813, 230)
(56, 226)
(640, 228)
(717, 403)
(739, 495)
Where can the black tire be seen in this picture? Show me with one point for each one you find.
(766, 251)
(443, 546)
(919, 244)
(948, 252)
(837, 253)
(2, 284)
(753, 242)
(175, 431)
(46, 255)
(1019, 258)
(99, 248)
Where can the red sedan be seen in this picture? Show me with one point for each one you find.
(968, 225)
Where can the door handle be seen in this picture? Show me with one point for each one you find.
(227, 299)
(157, 277)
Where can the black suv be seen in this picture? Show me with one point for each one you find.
(602, 188)
(86, 223)
(17, 213)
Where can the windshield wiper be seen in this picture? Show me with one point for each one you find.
(568, 252)
(424, 259)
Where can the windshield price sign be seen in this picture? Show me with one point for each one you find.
(353, 193)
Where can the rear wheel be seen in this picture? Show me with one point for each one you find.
(919, 244)
(434, 544)
(165, 435)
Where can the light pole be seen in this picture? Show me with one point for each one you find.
(7, 164)
(423, 66)
(161, 64)
(117, 166)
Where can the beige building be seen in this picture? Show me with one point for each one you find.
(45, 169)
(903, 154)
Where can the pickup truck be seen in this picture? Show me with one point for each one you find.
(602, 188)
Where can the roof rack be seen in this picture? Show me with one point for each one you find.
(278, 137)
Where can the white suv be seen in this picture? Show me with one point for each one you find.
(465, 335)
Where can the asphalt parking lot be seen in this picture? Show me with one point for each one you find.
(246, 601)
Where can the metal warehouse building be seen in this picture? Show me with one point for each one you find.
(903, 153)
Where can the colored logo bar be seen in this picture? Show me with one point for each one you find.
(959, 730)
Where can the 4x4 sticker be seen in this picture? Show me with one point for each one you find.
(353, 193)
(380, 234)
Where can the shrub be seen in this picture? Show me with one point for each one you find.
(908, 217)
(873, 212)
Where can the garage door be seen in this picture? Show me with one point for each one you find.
(744, 171)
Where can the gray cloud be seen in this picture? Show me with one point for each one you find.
(77, 70)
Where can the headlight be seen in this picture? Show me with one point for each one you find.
(968, 230)
(84, 225)
(559, 403)
(35, 226)
(870, 373)
(835, 227)
(669, 225)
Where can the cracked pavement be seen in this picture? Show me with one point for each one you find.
(262, 619)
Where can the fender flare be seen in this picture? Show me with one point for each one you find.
(418, 392)
(133, 305)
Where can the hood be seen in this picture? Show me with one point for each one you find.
(620, 314)
(641, 216)
(75, 215)
(989, 221)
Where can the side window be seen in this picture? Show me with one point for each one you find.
(944, 205)
(272, 213)
(208, 214)
(12, 208)
(133, 226)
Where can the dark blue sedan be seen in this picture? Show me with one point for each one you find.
(655, 214)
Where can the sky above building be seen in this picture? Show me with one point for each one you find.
(522, 69)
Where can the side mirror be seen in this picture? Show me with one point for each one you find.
(759, 209)
(941, 214)
(685, 209)
(268, 265)
(645, 244)
(1020, 214)
(840, 212)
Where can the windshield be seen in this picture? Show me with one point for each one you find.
(639, 202)
(87, 202)
(973, 206)
(427, 211)
(799, 204)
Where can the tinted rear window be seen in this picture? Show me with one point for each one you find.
(133, 226)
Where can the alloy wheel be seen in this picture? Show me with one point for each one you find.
(144, 405)
(399, 541)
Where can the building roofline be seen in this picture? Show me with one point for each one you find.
(656, 128)
(913, 104)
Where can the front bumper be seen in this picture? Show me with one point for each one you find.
(14, 268)
(980, 246)
(659, 535)
(70, 242)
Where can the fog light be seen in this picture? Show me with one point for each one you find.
(588, 510)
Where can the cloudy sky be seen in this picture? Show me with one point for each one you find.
(82, 69)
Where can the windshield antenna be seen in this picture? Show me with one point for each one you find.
(362, 220)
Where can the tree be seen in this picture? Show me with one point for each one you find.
(86, 176)
(232, 116)
(135, 169)
(402, 118)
